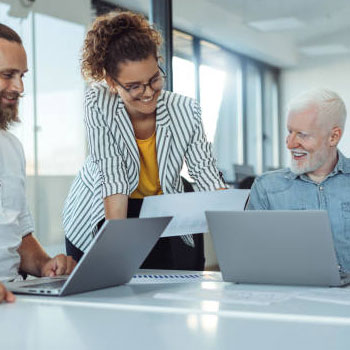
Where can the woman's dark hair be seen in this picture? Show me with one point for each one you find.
(115, 38)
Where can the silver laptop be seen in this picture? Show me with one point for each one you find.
(117, 251)
(277, 247)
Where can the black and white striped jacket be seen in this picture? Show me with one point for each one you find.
(113, 163)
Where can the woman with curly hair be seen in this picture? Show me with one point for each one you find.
(138, 135)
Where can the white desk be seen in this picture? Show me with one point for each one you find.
(201, 315)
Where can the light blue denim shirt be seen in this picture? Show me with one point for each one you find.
(283, 190)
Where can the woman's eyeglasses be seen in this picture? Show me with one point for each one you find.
(137, 90)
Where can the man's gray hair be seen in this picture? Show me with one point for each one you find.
(330, 106)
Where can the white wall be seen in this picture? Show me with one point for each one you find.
(52, 192)
(334, 75)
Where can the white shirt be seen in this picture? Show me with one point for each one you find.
(15, 219)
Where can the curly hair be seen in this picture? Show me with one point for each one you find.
(115, 38)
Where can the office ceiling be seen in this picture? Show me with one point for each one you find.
(297, 32)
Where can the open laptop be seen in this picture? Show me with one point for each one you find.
(117, 251)
(277, 247)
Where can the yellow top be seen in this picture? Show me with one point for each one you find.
(149, 184)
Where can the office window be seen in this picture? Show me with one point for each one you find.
(183, 45)
(270, 124)
(212, 77)
(183, 72)
(51, 113)
(53, 139)
(228, 139)
(242, 133)
(254, 117)
(61, 138)
(183, 66)
(183, 81)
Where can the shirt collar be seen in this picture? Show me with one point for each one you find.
(290, 175)
(342, 166)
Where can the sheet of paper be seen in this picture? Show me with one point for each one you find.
(188, 209)
(161, 278)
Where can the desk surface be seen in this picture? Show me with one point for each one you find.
(208, 314)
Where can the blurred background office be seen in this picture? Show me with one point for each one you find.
(243, 59)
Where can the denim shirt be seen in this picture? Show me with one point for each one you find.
(284, 190)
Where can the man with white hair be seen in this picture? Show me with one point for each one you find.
(319, 176)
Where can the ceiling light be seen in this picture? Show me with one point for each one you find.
(322, 50)
(277, 24)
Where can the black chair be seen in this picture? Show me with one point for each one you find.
(171, 253)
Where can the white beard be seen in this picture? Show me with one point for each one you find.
(310, 164)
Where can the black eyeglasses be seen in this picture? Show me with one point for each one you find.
(137, 90)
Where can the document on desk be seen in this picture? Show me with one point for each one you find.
(188, 209)
(183, 277)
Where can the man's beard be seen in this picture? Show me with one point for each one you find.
(312, 163)
(8, 113)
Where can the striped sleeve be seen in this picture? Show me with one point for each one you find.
(103, 147)
(199, 157)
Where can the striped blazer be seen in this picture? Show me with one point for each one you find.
(113, 164)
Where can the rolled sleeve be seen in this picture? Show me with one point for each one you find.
(104, 150)
(199, 157)
(25, 218)
(26, 222)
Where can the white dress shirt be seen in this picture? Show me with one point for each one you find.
(15, 219)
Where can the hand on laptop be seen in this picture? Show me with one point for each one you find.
(59, 265)
(36, 262)
(5, 295)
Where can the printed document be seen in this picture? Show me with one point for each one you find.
(188, 209)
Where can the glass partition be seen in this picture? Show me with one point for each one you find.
(253, 121)
(51, 112)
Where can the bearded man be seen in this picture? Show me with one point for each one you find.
(319, 175)
(19, 250)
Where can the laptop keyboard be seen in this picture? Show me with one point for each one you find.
(47, 285)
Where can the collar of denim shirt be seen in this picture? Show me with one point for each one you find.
(342, 166)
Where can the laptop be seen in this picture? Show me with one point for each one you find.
(117, 251)
(276, 247)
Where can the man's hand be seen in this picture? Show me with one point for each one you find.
(36, 262)
(5, 295)
(59, 265)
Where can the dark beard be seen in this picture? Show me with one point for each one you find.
(8, 115)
